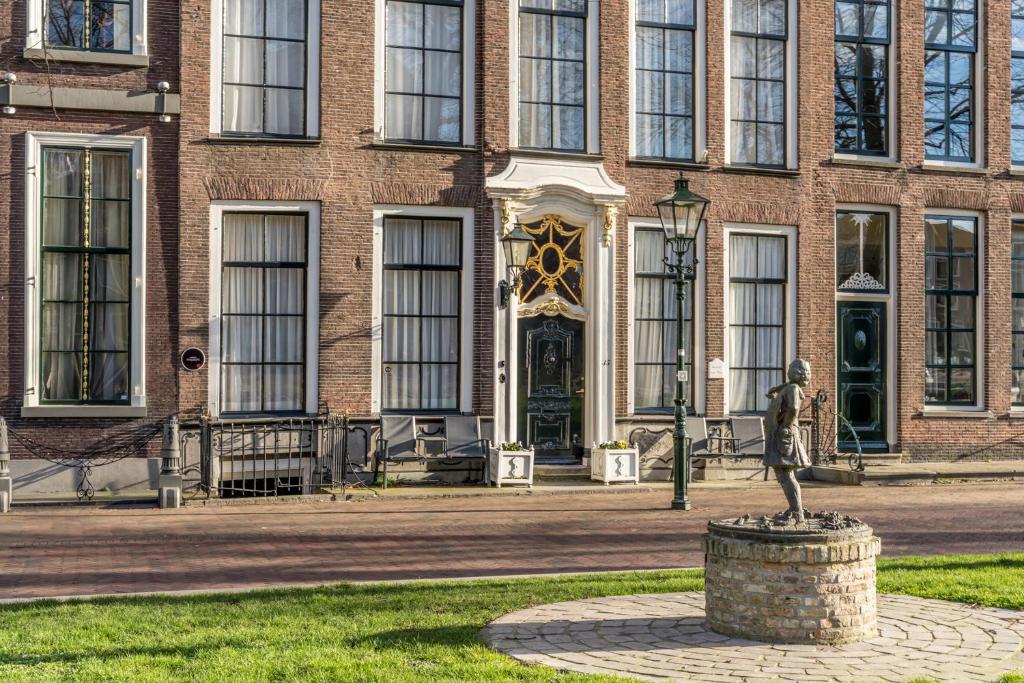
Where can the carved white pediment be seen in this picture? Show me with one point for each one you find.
(528, 177)
(550, 304)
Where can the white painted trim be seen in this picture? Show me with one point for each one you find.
(699, 81)
(36, 31)
(592, 65)
(792, 83)
(312, 68)
(792, 285)
(468, 279)
(468, 71)
(891, 300)
(217, 211)
(980, 356)
(34, 142)
(698, 362)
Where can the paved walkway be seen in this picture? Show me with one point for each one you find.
(661, 637)
(86, 551)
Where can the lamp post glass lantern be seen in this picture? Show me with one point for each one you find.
(516, 245)
(681, 214)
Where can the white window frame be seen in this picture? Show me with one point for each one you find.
(1015, 410)
(312, 210)
(700, 142)
(792, 85)
(789, 345)
(592, 79)
(978, 104)
(35, 39)
(891, 301)
(468, 280)
(697, 380)
(34, 143)
(468, 73)
(979, 312)
(892, 100)
(312, 69)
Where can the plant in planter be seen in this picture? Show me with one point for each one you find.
(615, 461)
(513, 464)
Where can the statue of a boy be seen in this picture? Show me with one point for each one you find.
(784, 451)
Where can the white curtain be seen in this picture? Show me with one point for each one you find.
(420, 345)
(263, 313)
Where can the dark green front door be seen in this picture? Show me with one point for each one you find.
(861, 374)
(551, 387)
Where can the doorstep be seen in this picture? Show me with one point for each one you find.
(944, 472)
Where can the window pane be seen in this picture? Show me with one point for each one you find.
(63, 173)
(286, 19)
(110, 27)
(65, 23)
(62, 221)
(443, 30)
(61, 376)
(286, 63)
(404, 117)
(108, 376)
(243, 17)
(243, 109)
(285, 339)
(282, 388)
(284, 111)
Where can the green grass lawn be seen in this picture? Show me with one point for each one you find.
(408, 632)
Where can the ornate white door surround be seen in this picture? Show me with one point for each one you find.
(581, 194)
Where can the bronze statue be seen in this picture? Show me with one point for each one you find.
(784, 452)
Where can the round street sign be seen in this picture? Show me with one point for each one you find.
(193, 359)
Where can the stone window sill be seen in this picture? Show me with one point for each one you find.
(260, 140)
(85, 57)
(413, 147)
(955, 413)
(955, 168)
(867, 162)
(668, 163)
(84, 411)
(761, 170)
(555, 154)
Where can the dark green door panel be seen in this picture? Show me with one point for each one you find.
(551, 387)
(861, 352)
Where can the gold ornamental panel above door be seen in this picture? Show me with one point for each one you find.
(555, 265)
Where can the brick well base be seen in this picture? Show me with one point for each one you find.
(790, 585)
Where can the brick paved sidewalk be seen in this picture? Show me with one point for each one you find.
(81, 551)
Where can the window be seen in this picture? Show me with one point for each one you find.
(265, 68)
(1017, 72)
(422, 282)
(950, 48)
(86, 276)
(951, 291)
(552, 91)
(862, 251)
(654, 306)
(423, 71)
(83, 25)
(1017, 275)
(263, 312)
(758, 84)
(665, 32)
(757, 316)
(862, 77)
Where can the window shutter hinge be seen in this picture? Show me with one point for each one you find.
(30, 281)
(138, 174)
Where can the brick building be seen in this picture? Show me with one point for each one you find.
(343, 171)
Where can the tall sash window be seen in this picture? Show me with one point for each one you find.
(263, 312)
(951, 46)
(862, 77)
(421, 314)
(552, 90)
(1017, 73)
(758, 82)
(951, 294)
(423, 71)
(665, 32)
(265, 67)
(1017, 277)
(86, 276)
(654, 319)
(757, 319)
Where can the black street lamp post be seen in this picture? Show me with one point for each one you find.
(681, 214)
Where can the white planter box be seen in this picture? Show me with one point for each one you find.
(615, 464)
(512, 467)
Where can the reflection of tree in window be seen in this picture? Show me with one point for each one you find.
(101, 26)
(861, 65)
(950, 47)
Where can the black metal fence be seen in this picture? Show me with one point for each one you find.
(271, 456)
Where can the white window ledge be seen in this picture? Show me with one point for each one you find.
(84, 411)
(1016, 413)
(86, 57)
(869, 161)
(970, 413)
(954, 167)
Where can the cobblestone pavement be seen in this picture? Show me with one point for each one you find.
(661, 637)
(88, 550)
